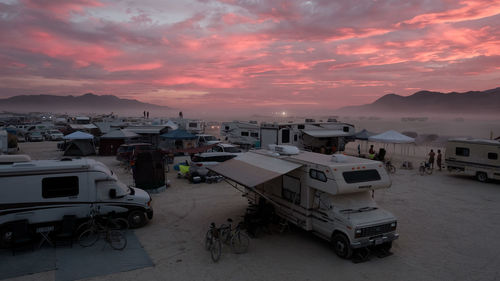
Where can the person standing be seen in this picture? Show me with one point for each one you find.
(431, 158)
(438, 159)
(371, 152)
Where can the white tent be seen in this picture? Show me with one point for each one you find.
(79, 136)
(395, 138)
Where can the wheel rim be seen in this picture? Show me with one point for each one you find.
(215, 250)
(481, 177)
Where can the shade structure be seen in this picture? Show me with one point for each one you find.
(391, 136)
(179, 134)
(120, 134)
(251, 169)
(363, 135)
(80, 147)
(78, 135)
(325, 133)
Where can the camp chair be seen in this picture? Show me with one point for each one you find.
(66, 232)
(21, 236)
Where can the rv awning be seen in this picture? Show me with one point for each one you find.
(251, 169)
(325, 133)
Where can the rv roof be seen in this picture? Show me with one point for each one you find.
(50, 165)
(479, 141)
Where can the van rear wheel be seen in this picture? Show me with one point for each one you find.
(341, 246)
(482, 177)
(137, 219)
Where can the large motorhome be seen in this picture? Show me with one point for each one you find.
(43, 191)
(244, 134)
(474, 157)
(328, 195)
(323, 137)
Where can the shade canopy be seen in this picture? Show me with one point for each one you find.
(391, 136)
(78, 135)
(325, 133)
(251, 169)
(363, 135)
(120, 134)
(179, 134)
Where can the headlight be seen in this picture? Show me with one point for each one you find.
(357, 233)
(394, 225)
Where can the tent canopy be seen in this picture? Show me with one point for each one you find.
(363, 135)
(78, 135)
(179, 134)
(391, 136)
(325, 133)
(120, 134)
(251, 169)
(80, 148)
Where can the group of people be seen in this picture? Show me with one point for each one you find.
(438, 159)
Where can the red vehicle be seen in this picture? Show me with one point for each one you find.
(126, 151)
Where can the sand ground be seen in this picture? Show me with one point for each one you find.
(448, 228)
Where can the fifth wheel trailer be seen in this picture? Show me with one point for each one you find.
(330, 196)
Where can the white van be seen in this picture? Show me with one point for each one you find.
(328, 195)
(474, 157)
(43, 191)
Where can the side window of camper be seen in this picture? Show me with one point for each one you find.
(492, 156)
(462, 151)
(60, 187)
(361, 176)
(254, 135)
(295, 137)
(301, 127)
(244, 134)
(317, 175)
(285, 136)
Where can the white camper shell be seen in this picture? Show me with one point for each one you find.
(43, 191)
(474, 157)
(329, 195)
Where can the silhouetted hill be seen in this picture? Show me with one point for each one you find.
(85, 103)
(473, 102)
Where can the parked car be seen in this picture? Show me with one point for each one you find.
(210, 158)
(53, 135)
(226, 147)
(126, 151)
(34, 136)
(204, 139)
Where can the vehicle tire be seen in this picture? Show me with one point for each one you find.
(482, 177)
(341, 246)
(391, 169)
(215, 249)
(240, 242)
(5, 237)
(386, 246)
(117, 240)
(225, 233)
(119, 224)
(88, 238)
(421, 170)
(208, 240)
(137, 219)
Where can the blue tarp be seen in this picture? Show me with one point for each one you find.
(179, 135)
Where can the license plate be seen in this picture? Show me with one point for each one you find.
(379, 241)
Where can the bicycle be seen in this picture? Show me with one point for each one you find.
(238, 240)
(212, 242)
(389, 167)
(425, 168)
(98, 226)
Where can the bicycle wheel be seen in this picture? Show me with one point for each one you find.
(391, 169)
(88, 237)
(215, 249)
(428, 170)
(118, 224)
(225, 233)
(117, 240)
(240, 242)
(208, 240)
(421, 170)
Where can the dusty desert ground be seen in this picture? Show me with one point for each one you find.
(448, 229)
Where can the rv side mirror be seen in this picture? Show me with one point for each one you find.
(112, 193)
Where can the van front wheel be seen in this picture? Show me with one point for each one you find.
(341, 245)
(136, 219)
(482, 177)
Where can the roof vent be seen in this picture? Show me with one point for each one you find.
(339, 158)
(284, 149)
(9, 159)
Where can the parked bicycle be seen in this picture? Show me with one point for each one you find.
(107, 226)
(212, 242)
(389, 167)
(238, 240)
(425, 168)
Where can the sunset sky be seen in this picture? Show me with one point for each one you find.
(256, 56)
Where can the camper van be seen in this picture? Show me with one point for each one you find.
(328, 195)
(244, 134)
(43, 191)
(474, 157)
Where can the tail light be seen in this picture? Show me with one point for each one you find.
(199, 164)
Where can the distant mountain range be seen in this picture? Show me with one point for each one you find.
(473, 102)
(89, 103)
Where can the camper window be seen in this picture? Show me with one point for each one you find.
(361, 176)
(285, 136)
(301, 127)
(254, 135)
(317, 175)
(492, 156)
(60, 187)
(244, 134)
(462, 151)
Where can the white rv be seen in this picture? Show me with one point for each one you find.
(331, 196)
(325, 137)
(474, 157)
(244, 134)
(43, 191)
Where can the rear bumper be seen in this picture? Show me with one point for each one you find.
(374, 241)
